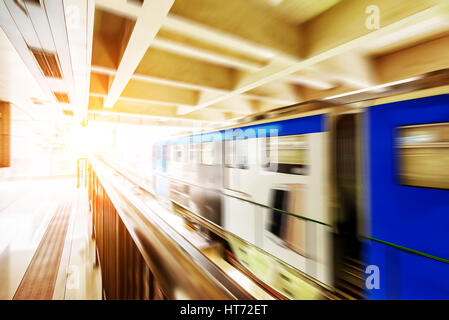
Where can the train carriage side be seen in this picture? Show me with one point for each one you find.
(245, 179)
(407, 199)
(330, 194)
(288, 173)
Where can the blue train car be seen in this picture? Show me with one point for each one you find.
(412, 215)
(357, 199)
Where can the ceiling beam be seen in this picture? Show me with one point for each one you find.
(278, 89)
(154, 104)
(339, 33)
(140, 92)
(190, 80)
(205, 32)
(111, 35)
(200, 33)
(345, 22)
(212, 56)
(167, 65)
(8, 10)
(205, 42)
(310, 81)
(205, 55)
(359, 76)
(149, 20)
(80, 20)
(210, 35)
(158, 110)
(253, 23)
(159, 92)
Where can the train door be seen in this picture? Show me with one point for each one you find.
(346, 181)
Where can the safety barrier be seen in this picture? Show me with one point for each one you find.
(140, 255)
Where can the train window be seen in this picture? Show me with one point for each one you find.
(286, 154)
(156, 153)
(423, 152)
(241, 154)
(276, 218)
(178, 152)
(236, 153)
(194, 152)
(208, 153)
(290, 229)
(168, 153)
(229, 153)
(183, 150)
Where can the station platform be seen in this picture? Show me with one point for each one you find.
(106, 236)
(47, 249)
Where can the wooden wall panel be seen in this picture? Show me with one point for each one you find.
(5, 134)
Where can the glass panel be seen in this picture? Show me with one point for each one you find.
(194, 153)
(230, 153)
(242, 153)
(424, 155)
(290, 229)
(290, 153)
(236, 153)
(292, 150)
(208, 153)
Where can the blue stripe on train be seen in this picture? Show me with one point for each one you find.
(285, 127)
(413, 217)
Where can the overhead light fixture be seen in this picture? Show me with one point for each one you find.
(378, 88)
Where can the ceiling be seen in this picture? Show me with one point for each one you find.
(201, 63)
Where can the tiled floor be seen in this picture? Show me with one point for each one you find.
(26, 208)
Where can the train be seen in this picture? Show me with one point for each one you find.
(354, 194)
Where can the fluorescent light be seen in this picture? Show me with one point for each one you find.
(378, 88)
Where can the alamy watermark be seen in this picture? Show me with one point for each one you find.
(372, 22)
(243, 147)
(372, 280)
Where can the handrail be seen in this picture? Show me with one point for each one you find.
(169, 255)
(402, 248)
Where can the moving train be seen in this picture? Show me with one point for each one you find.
(352, 190)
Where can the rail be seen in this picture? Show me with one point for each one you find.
(140, 255)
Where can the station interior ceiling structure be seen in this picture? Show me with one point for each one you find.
(196, 64)
(89, 89)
